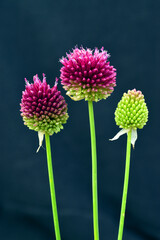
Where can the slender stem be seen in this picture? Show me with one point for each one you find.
(52, 188)
(94, 171)
(125, 187)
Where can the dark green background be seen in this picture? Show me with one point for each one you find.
(33, 36)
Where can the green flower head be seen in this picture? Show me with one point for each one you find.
(131, 112)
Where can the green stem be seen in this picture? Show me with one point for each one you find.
(94, 171)
(125, 187)
(52, 188)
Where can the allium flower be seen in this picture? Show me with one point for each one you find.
(43, 108)
(87, 74)
(131, 113)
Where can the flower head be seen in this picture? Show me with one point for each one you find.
(43, 108)
(131, 111)
(87, 74)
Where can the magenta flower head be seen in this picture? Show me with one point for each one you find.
(43, 108)
(87, 74)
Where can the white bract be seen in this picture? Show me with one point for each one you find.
(124, 131)
(40, 137)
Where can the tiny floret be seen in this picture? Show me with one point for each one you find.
(131, 112)
(43, 108)
(87, 74)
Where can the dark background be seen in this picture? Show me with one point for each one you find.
(33, 36)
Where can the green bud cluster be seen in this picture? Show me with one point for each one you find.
(91, 94)
(131, 112)
(45, 123)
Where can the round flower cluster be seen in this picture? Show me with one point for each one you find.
(87, 74)
(43, 108)
(131, 112)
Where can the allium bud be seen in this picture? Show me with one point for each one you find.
(131, 113)
(43, 108)
(88, 75)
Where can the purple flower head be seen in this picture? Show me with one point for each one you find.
(43, 108)
(87, 74)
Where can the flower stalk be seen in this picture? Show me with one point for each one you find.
(94, 171)
(52, 188)
(125, 187)
(44, 110)
(87, 74)
(131, 114)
